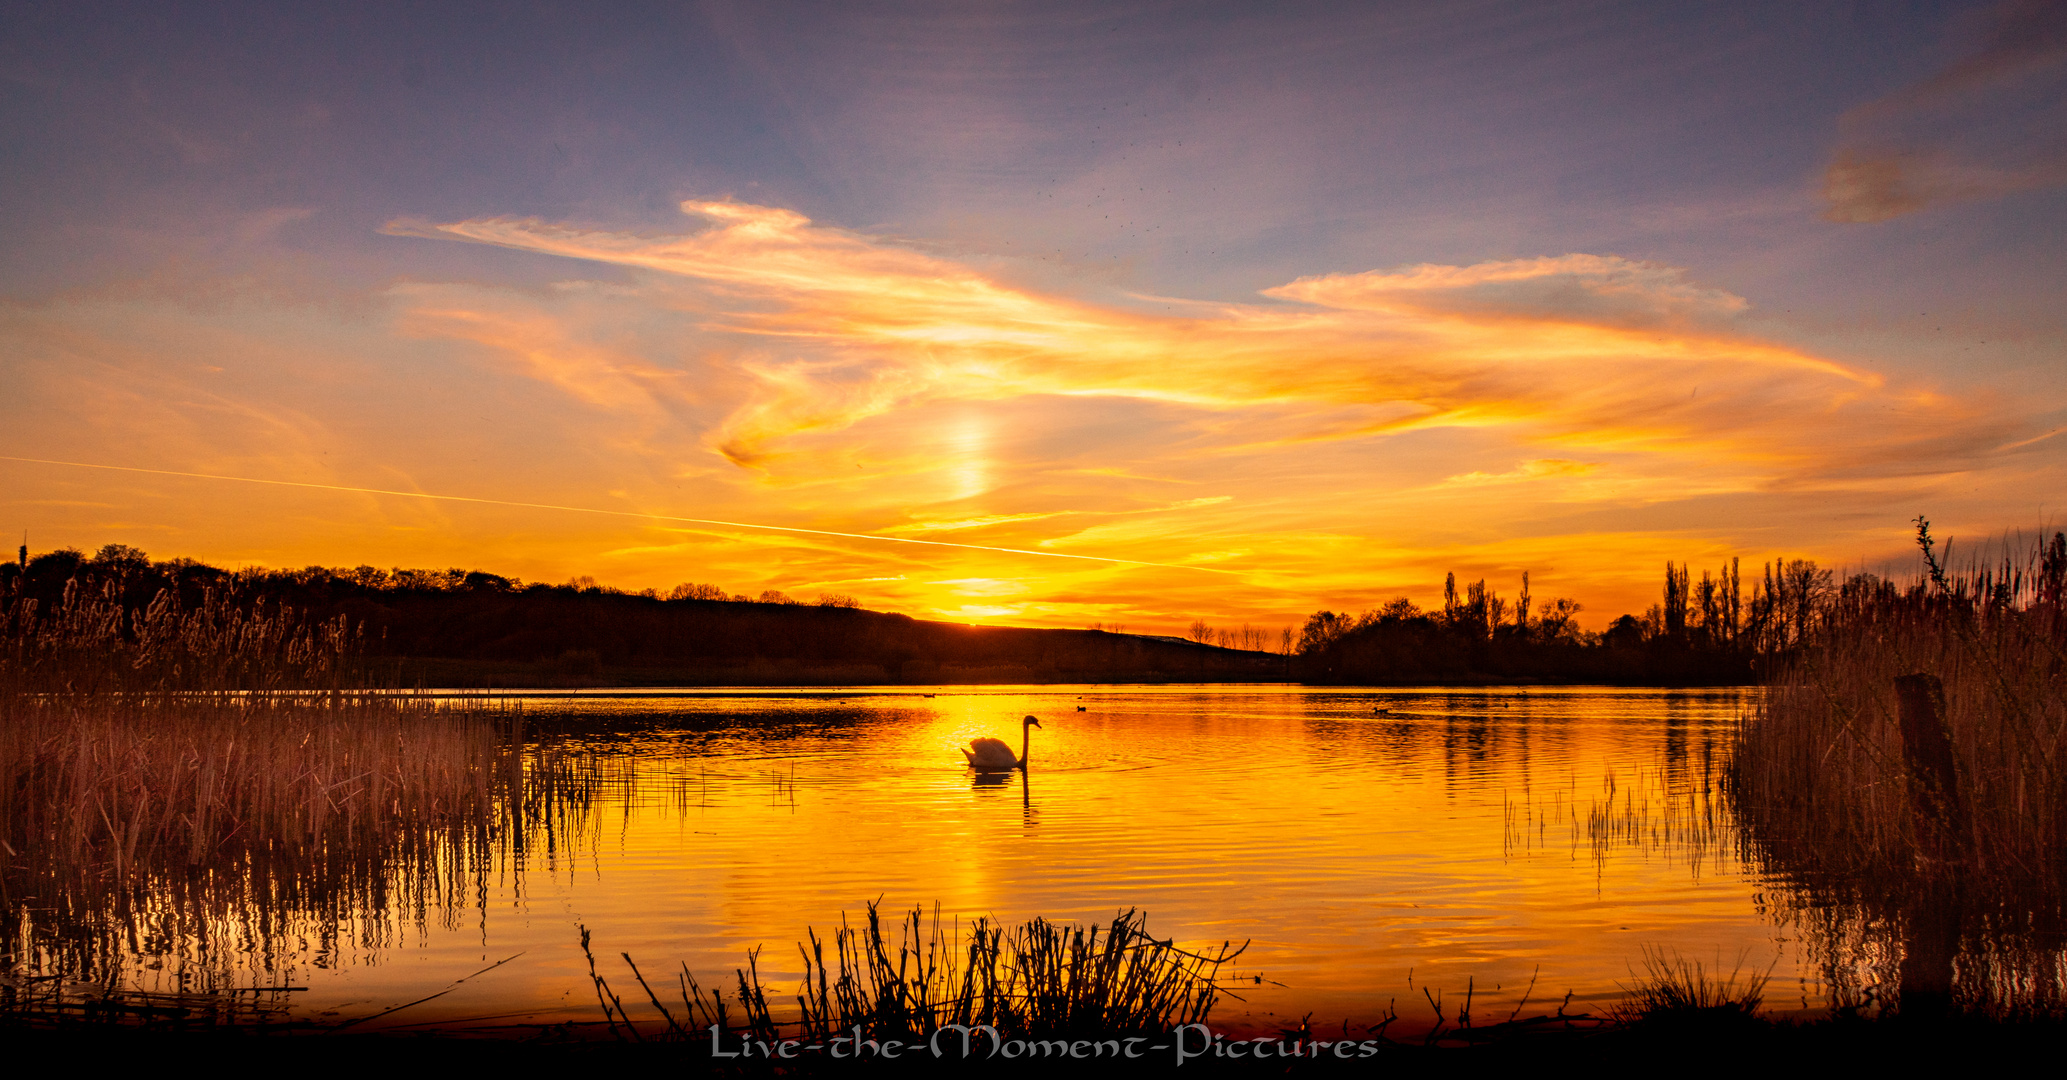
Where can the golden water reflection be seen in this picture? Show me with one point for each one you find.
(1369, 843)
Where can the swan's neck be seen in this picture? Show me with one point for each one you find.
(1025, 742)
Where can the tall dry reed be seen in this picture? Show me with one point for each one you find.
(93, 642)
(1819, 764)
(1822, 787)
(167, 829)
(176, 813)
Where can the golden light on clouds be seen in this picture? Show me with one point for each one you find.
(1337, 440)
(1581, 348)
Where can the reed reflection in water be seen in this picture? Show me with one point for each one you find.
(1370, 843)
(212, 843)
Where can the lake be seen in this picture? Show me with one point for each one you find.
(1371, 846)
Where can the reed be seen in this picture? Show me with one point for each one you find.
(181, 816)
(94, 642)
(162, 831)
(1828, 796)
(1676, 990)
(1038, 980)
(1820, 767)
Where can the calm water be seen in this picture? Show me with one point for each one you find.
(1456, 837)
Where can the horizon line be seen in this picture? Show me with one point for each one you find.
(618, 513)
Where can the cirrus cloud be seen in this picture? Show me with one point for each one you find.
(825, 328)
(1992, 123)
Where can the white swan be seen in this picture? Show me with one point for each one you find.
(994, 755)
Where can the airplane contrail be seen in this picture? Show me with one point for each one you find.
(615, 513)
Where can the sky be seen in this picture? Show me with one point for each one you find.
(1036, 314)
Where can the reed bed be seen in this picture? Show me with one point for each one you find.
(1829, 799)
(157, 853)
(94, 642)
(196, 801)
(1038, 980)
(105, 788)
(1819, 764)
(206, 840)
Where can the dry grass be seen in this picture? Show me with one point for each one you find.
(1676, 990)
(1819, 766)
(180, 816)
(1038, 980)
(209, 838)
(106, 787)
(93, 643)
(1820, 784)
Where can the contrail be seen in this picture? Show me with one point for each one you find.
(616, 513)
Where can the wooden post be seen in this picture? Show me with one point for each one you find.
(1944, 834)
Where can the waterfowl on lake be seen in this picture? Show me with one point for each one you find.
(995, 755)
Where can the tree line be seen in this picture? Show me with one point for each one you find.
(459, 628)
(463, 627)
(1716, 628)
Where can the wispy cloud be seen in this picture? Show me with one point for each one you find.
(831, 328)
(992, 520)
(920, 425)
(2021, 34)
(1527, 470)
(1572, 288)
(1990, 124)
(901, 392)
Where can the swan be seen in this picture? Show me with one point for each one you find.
(994, 755)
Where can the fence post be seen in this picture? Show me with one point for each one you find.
(1932, 915)
(1943, 832)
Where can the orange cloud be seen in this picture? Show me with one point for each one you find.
(1337, 441)
(1527, 470)
(901, 392)
(833, 328)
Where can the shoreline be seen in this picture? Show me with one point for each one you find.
(1718, 1036)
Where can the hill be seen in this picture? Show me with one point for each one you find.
(472, 629)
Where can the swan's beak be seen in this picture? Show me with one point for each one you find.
(1031, 720)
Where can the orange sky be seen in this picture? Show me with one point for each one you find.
(1222, 411)
(1339, 440)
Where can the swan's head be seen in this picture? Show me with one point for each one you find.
(1029, 722)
